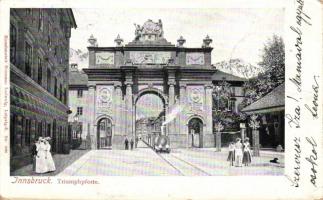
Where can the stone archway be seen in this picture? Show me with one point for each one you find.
(195, 132)
(104, 133)
(147, 128)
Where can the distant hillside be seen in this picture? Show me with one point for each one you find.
(238, 68)
(79, 57)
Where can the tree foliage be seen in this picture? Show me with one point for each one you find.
(273, 62)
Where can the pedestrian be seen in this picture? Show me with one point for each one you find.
(34, 153)
(50, 162)
(131, 143)
(126, 143)
(238, 153)
(231, 153)
(246, 160)
(41, 163)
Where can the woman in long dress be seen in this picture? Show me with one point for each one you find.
(50, 162)
(238, 153)
(246, 160)
(41, 163)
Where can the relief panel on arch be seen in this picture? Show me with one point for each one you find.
(195, 98)
(104, 99)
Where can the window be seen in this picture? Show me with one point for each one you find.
(40, 71)
(55, 51)
(40, 129)
(49, 80)
(60, 92)
(79, 110)
(48, 130)
(28, 59)
(40, 20)
(13, 44)
(79, 93)
(65, 97)
(27, 131)
(55, 87)
(49, 39)
(232, 105)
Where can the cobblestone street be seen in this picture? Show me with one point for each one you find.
(180, 162)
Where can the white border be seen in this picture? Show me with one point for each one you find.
(220, 187)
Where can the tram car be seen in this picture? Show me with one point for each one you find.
(162, 144)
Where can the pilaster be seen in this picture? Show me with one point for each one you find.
(91, 101)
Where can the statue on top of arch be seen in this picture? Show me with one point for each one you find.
(149, 30)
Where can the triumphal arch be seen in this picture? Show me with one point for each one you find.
(119, 76)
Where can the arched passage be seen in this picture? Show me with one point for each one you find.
(104, 133)
(150, 107)
(195, 132)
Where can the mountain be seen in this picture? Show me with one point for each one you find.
(239, 68)
(79, 57)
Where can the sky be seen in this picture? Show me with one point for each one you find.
(236, 32)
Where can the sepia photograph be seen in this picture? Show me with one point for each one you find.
(163, 99)
(155, 94)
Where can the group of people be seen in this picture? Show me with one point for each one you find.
(239, 153)
(128, 143)
(42, 158)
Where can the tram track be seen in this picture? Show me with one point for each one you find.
(170, 156)
(190, 164)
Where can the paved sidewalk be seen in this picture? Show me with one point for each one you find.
(61, 162)
(216, 164)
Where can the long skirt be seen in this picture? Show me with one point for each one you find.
(238, 158)
(246, 157)
(41, 163)
(50, 163)
(231, 156)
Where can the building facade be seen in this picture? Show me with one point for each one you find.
(270, 110)
(39, 58)
(78, 103)
(182, 77)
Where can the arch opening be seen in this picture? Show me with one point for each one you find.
(195, 132)
(150, 107)
(104, 133)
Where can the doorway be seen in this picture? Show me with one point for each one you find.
(104, 134)
(195, 132)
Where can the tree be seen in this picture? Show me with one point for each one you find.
(273, 60)
(273, 63)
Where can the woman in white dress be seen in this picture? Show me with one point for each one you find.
(50, 162)
(41, 163)
(246, 153)
(238, 153)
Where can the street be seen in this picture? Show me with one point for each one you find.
(143, 161)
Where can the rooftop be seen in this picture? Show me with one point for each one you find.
(223, 76)
(273, 101)
(77, 78)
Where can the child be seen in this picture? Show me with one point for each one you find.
(231, 153)
(246, 160)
